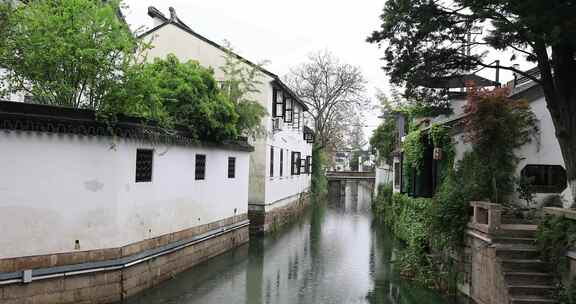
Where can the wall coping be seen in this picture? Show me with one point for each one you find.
(8, 278)
(567, 213)
(52, 119)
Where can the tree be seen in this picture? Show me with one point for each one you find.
(241, 86)
(70, 52)
(189, 95)
(495, 120)
(333, 91)
(426, 39)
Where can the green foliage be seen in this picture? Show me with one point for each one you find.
(496, 126)
(70, 52)
(189, 95)
(555, 236)
(319, 183)
(383, 139)
(524, 190)
(449, 215)
(412, 221)
(413, 151)
(241, 87)
(567, 295)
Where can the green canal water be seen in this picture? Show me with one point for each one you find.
(335, 253)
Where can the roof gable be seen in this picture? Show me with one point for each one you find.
(174, 20)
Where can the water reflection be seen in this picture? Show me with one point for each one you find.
(334, 254)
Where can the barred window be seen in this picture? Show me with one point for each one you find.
(546, 178)
(271, 161)
(200, 167)
(231, 167)
(144, 161)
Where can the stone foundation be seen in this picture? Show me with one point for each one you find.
(265, 221)
(109, 286)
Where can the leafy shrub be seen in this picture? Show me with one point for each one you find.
(450, 214)
(555, 236)
(190, 95)
(496, 125)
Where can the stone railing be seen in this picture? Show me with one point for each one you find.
(487, 217)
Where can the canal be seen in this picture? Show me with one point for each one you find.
(334, 253)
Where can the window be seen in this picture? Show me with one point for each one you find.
(397, 175)
(545, 178)
(296, 118)
(281, 162)
(271, 161)
(295, 163)
(308, 165)
(277, 104)
(200, 167)
(288, 110)
(231, 167)
(144, 160)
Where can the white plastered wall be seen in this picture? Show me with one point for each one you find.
(56, 189)
(264, 190)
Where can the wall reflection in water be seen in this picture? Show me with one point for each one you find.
(335, 253)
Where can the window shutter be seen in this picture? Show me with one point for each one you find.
(288, 110)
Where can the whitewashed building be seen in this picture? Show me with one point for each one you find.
(540, 159)
(133, 209)
(281, 163)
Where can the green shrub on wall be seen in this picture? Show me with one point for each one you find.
(555, 236)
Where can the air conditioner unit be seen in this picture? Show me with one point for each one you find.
(277, 124)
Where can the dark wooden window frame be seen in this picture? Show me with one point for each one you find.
(144, 165)
(308, 164)
(231, 167)
(278, 104)
(288, 110)
(200, 167)
(271, 161)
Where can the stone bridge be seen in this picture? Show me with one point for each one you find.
(350, 175)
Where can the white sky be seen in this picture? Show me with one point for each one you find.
(284, 32)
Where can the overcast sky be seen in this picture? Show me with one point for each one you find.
(283, 32)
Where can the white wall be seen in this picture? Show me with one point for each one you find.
(170, 39)
(543, 150)
(55, 189)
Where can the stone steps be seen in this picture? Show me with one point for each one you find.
(526, 265)
(515, 240)
(528, 279)
(543, 291)
(531, 300)
(517, 252)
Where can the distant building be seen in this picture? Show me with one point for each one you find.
(280, 166)
(342, 160)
